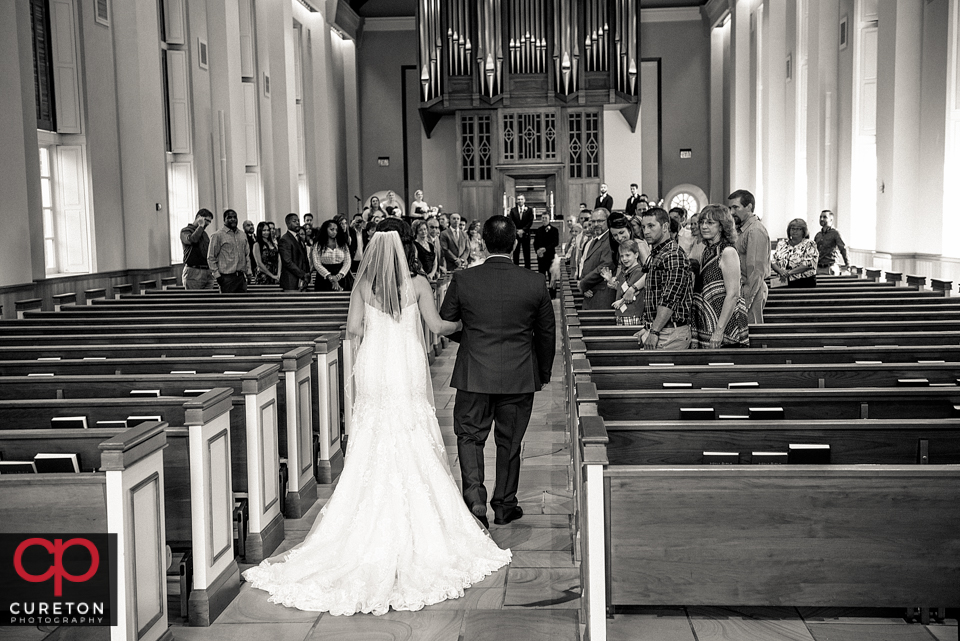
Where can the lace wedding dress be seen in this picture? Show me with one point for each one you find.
(396, 532)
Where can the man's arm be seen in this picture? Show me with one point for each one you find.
(593, 278)
(545, 337)
(843, 249)
(213, 253)
(191, 238)
(450, 308)
(757, 257)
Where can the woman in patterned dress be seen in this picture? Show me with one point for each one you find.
(719, 311)
(795, 259)
(267, 256)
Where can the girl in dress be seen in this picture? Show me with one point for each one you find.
(396, 532)
(477, 253)
(628, 283)
(719, 311)
(267, 256)
(330, 257)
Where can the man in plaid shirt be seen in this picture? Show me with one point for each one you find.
(668, 295)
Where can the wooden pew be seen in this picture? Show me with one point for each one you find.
(837, 403)
(297, 404)
(851, 441)
(252, 461)
(254, 389)
(629, 354)
(124, 497)
(197, 497)
(819, 375)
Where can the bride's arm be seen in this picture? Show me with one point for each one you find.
(355, 314)
(428, 310)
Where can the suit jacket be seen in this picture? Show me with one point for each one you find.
(547, 238)
(631, 209)
(453, 248)
(606, 202)
(507, 342)
(599, 253)
(522, 219)
(295, 265)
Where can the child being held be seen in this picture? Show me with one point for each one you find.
(629, 283)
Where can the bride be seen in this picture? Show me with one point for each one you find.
(396, 532)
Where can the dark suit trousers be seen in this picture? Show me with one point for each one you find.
(232, 283)
(473, 415)
(523, 243)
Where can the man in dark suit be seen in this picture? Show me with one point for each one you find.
(522, 217)
(597, 253)
(454, 244)
(506, 355)
(545, 242)
(295, 266)
(631, 209)
(604, 200)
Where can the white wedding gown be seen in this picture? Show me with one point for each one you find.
(396, 532)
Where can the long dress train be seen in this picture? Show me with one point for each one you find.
(396, 533)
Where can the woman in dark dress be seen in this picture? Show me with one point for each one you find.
(426, 252)
(331, 259)
(719, 311)
(267, 255)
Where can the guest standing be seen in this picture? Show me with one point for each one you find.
(454, 244)
(546, 239)
(196, 243)
(829, 244)
(475, 244)
(596, 254)
(229, 256)
(266, 255)
(667, 296)
(522, 217)
(795, 258)
(294, 261)
(426, 253)
(753, 245)
(628, 284)
(331, 259)
(719, 311)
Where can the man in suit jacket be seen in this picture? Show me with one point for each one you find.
(522, 217)
(454, 244)
(596, 254)
(506, 355)
(631, 209)
(604, 200)
(294, 263)
(545, 242)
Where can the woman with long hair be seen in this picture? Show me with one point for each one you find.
(396, 532)
(267, 255)
(426, 253)
(719, 311)
(330, 257)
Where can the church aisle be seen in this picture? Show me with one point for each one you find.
(535, 598)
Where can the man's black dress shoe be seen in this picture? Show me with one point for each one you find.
(508, 516)
(480, 511)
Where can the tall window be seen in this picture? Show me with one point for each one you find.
(303, 185)
(583, 146)
(476, 147)
(65, 209)
(864, 177)
(175, 62)
(951, 165)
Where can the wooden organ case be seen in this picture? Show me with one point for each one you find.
(527, 81)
